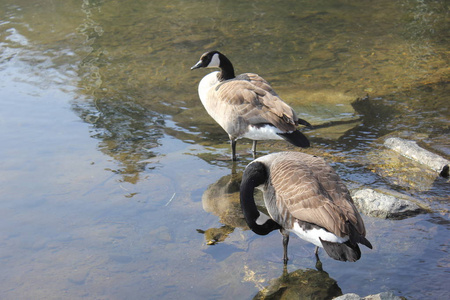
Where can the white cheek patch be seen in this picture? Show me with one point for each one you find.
(215, 61)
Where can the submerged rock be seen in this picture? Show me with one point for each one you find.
(329, 111)
(380, 296)
(399, 170)
(383, 205)
(411, 150)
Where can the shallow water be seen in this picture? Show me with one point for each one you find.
(113, 179)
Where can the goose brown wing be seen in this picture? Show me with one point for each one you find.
(337, 191)
(255, 104)
(258, 81)
(301, 195)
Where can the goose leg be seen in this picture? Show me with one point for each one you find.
(233, 149)
(254, 148)
(285, 245)
(318, 262)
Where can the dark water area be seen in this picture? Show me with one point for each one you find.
(113, 182)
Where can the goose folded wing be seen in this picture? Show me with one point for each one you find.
(256, 105)
(299, 193)
(258, 81)
(337, 191)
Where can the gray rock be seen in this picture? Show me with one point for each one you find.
(382, 205)
(349, 296)
(380, 296)
(300, 284)
(411, 150)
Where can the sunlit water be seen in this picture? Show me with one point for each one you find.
(112, 176)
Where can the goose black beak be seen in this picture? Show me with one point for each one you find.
(197, 65)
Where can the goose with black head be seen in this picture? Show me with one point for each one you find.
(305, 196)
(246, 106)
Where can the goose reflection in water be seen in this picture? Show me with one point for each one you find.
(222, 199)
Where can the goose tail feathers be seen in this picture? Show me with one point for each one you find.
(296, 138)
(347, 251)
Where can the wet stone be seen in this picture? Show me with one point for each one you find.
(380, 296)
(385, 206)
(301, 284)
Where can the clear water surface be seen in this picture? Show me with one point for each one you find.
(113, 182)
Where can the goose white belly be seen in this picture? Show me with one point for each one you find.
(315, 234)
(266, 132)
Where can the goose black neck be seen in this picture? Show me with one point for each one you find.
(254, 175)
(226, 68)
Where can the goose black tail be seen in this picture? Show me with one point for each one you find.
(348, 251)
(296, 138)
(342, 251)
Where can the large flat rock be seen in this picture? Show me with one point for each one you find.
(384, 205)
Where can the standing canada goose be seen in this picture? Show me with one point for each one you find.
(246, 106)
(303, 195)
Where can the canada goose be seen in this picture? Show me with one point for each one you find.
(246, 106)
(303, 195)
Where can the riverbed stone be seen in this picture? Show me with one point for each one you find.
(380, 296)
(384, 205)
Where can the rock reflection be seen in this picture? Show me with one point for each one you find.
(301, 284)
